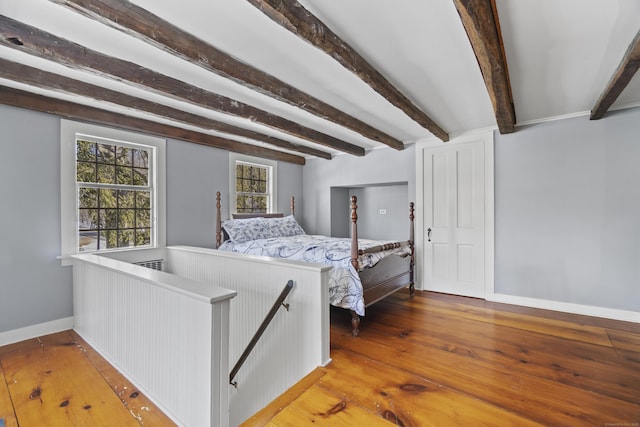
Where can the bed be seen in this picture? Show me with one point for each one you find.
(364, 271)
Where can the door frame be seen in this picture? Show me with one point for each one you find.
(486, 136)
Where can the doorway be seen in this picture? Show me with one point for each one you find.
(457, 216)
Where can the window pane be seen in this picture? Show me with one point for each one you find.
(126, 218)
(86, 172)
(88, 241)
(140, 176)
(253, 182)
(126, 199)
(140, 158)
(88, 198)
(123, 175)
(108, 219)
(106, 174)
(143, 199)
(108, 198)
(85, 151)
(124, 156)
(88, 219)
(143, 236)
(143, 218)
(256, 204)
(105, 153)
(109, 239)
(125, 238)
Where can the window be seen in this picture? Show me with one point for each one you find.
(113, 189)
(252, 184)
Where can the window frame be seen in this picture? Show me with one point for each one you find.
(70, 131)
(272, 174)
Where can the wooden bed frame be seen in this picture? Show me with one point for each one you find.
(389, 275)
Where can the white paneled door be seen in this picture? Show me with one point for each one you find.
(454, 219)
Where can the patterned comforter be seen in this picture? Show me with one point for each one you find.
(345, 287)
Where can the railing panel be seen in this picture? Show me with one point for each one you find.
(297, 340)
(169, 342)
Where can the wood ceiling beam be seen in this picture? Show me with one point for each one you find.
(46, 80)
(34, 41)
(31, 101)
(142, 24)
(480, 21)
(293, 16)
(619, 80)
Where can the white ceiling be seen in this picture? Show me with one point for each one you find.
(560, 55)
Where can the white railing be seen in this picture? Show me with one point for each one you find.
(176, 333)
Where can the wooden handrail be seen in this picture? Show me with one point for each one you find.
(276, 305)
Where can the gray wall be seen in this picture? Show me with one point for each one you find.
(378, 167)
(567, 203)
(34, 288)
(194, 174)
(340, 212)
(394, 225)
(370, 200)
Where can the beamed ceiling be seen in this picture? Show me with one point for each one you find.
(289, 80)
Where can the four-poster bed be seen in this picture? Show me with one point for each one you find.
(364, 271)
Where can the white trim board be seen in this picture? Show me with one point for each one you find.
(566, 307)
(33, 331)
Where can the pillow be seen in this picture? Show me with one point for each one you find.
(283, 227)
(243, 230)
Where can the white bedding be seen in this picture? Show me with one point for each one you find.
(345, 287)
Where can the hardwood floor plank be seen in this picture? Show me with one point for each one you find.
(51, 384)
(510, 387)
(394, 393)
(7, 414)
(274, 408)
(553, 327)
(625, 341)
(138, 405)
(627, 344)
(319, 407)
(535, 312)
(585, 366)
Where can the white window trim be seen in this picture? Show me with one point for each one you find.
(68, 199)
(273, 179)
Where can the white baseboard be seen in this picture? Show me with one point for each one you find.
(586, 310)
(28, 332)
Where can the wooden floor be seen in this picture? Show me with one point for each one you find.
(432, 360)
(440, 360)
(59, 380)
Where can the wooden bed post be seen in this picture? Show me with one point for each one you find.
(355, 319)
(218, 222)
(293, 206)
(411, 240)
(354, 232)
